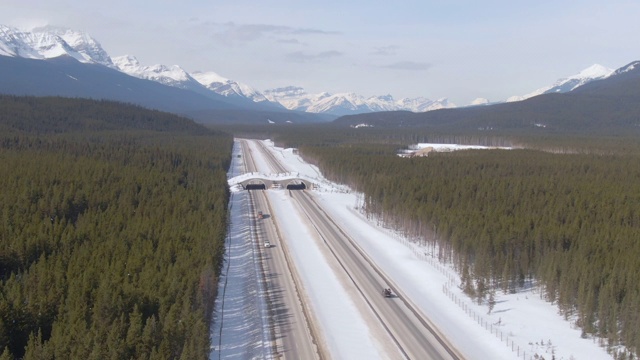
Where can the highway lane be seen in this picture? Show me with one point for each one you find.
(293, 337)
(289, 315)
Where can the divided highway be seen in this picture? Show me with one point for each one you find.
(412, 333)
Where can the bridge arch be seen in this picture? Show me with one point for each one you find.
(254, 186)
(295, 184)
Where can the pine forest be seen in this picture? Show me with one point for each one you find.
(112, 226)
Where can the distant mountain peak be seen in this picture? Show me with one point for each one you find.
(172, 75)
(480, 101)
(348, 103)
(226, 87)
(387, 97)
(126, 61)
(209, 78)
(595, 71)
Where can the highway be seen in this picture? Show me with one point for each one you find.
(293, 337)
(406, 326)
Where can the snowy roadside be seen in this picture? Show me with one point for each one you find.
(238, 328)
(520, 326)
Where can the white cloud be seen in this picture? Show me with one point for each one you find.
(231, 32)
(385, 50)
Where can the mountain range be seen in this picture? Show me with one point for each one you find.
(48, 43)
(610, 105)
(44, 62)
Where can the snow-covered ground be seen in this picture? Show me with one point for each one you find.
(239, 329)
(520, 326)
(423, 149)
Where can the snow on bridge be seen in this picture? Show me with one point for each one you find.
(256, 180)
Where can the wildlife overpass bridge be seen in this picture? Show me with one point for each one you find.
(257, 181)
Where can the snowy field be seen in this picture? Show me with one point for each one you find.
(520, 326)
(423, 149)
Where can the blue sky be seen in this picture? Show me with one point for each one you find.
(460, 50)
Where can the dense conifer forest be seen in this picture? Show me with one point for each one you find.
(565, 220)
(112, 225)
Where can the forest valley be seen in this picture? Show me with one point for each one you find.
(113, 220)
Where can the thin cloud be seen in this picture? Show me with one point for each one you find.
(385, 50)
(232, 32)
(313, 32)
(408, 65)
(291, 41)
(299, 56)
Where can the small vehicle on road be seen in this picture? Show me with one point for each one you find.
(260, 215)
(267, 244)
(387, 293)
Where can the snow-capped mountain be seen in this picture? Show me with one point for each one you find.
(51, 42)
(296, 98)
(82, 43)
(168, 75)
(594, 72)
(480, 101)
(421, 104)
(207, 84)
(226, 87)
